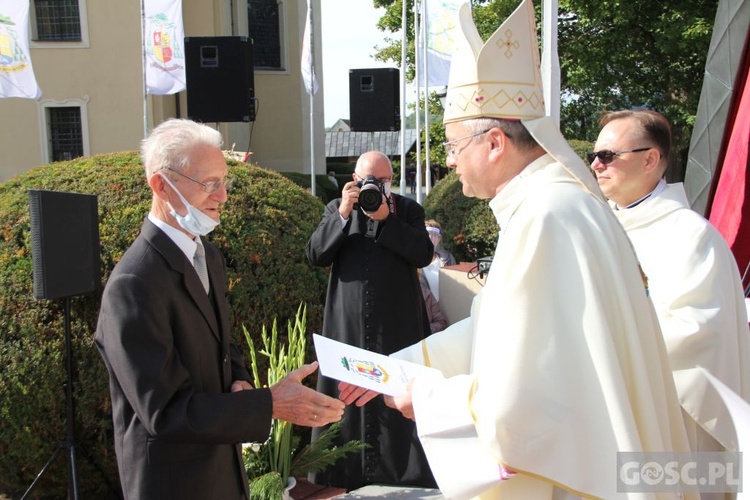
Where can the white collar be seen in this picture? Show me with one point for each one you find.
(182, 240)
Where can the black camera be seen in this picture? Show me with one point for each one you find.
(371, 194)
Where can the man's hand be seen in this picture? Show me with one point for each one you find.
(241, 385)
(349, 393)
(300, 405)
(349, 196)
(402, 403)
(382, 212)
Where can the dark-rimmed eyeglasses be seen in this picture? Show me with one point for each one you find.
(381, 180)
(450, 149)
(208, 187)
(606, 156)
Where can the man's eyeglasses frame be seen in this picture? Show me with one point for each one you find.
(450, 150)
(606, 156)
(208, 187)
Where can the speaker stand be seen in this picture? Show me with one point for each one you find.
(68, 443)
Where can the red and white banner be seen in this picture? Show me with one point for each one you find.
(164, 47)
(16, 73)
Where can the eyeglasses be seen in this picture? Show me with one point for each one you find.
(606, 156)
(208, 187)
(450, 150)
(382, 180)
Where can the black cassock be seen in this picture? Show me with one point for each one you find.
(374, 302)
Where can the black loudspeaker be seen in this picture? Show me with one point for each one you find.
(220, 85)
(65, 248)
(374, 100)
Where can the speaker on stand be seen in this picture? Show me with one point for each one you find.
(65, 254)
(220, 79)
(374, 103)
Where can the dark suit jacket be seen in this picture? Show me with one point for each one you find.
(178, 428)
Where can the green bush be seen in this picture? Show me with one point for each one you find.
(469, 228)
(325, 190)
(264, 228)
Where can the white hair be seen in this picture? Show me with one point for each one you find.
(169, 144)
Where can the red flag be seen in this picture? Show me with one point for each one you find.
(730, 208)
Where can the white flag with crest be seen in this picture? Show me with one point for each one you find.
(164, 47)
(308, 70)
(16, 73)
(441, 18)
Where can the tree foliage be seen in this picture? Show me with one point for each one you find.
(640, 53)
(613, 55)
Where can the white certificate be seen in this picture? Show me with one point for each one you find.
(365, 368)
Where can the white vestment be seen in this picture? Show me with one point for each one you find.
(695, 286)
(561, 364)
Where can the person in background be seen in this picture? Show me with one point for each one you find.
(374, 302)
(561, 366)
(182, 402)
(438, 322)
(332, 178)
(441, 258)
(693, 279)
(412, 178)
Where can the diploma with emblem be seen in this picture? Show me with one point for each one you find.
(365, 368)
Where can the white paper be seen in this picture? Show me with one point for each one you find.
(365, 368)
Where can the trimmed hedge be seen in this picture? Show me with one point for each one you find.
(264, 228)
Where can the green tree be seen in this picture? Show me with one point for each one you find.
(641, 53)
(613, 55)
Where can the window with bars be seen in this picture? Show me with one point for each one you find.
(65, 133)
(57, 20)
(263, 24)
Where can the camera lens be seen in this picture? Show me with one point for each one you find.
(370, 198)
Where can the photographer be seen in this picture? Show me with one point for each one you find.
(374, 302)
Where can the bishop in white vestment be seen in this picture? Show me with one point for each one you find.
(561, 364)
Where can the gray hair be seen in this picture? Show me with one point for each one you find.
(513, 129)
(170, 144)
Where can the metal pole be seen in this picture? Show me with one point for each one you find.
(143, 65)
(418, 173)
(550, 60)
(427, 173)
(402, 104)
(311, 92)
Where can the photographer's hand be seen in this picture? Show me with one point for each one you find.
(349, 196)
(381, 213)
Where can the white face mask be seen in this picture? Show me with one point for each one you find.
(195, 222)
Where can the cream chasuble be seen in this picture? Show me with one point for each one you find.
(695, 287)
(561, 363)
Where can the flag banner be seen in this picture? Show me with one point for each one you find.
(308, 70)
(164, 47)
(16, 73)
(440, 20)
(730, 210)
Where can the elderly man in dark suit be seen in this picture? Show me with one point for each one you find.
(182, 403)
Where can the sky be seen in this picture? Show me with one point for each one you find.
(349, 37)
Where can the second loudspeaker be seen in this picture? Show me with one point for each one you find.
(374, 100)
(220, 86)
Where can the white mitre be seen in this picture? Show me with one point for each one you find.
(502, 79)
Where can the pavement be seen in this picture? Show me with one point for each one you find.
(377, 492)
